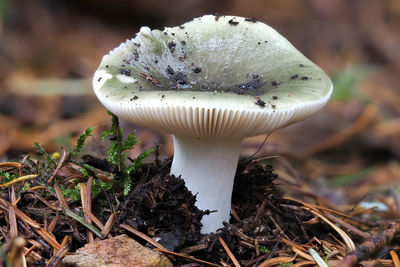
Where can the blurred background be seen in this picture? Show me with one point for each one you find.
(49, 50)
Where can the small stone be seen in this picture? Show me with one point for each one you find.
(116, 251)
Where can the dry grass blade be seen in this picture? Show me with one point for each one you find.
(230, 254)
(37, 187)
(60, 196)
(11, 164)
(348, 226)
(395, 258)
(292, 244)
(192, 249)
(303, 254)
(20, 179)
(317, 207)
(11, 215)
(49, 238)
(13, 222)
(277, 261)
(94, 219)
(349, 242)
(143, 236)
(53, 223)
(187, 257)
(30, 250)
(86, 192)
(65, 240)
(54, 261)
(264, 158)
(109, 224)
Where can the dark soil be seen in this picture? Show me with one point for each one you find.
(161, 206)
(164, 207)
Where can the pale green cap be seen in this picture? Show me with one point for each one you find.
(213, 76)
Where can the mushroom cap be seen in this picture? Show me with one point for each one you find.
(212, 76)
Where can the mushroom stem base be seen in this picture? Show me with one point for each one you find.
(208, 167)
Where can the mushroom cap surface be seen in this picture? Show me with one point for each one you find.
(212, 76)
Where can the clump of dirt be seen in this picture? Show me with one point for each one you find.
(253, 184)
(165, 208)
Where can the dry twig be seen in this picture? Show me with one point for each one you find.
(372, 246)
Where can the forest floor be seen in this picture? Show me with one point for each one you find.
(329, 184)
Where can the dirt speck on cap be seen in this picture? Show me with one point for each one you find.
(204, 87)
(275, 83)
(136, 55)
(252, 85)
(171, 46)
(259, 102)
(254, 20)
(170, 70)
(125, 72)
(232, 22)
(197, 70)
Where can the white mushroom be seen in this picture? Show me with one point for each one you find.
(210, 83)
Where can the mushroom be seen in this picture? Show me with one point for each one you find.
(210, 83)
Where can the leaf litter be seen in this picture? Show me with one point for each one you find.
(48, 200)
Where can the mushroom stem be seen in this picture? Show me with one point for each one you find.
(208, 167)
